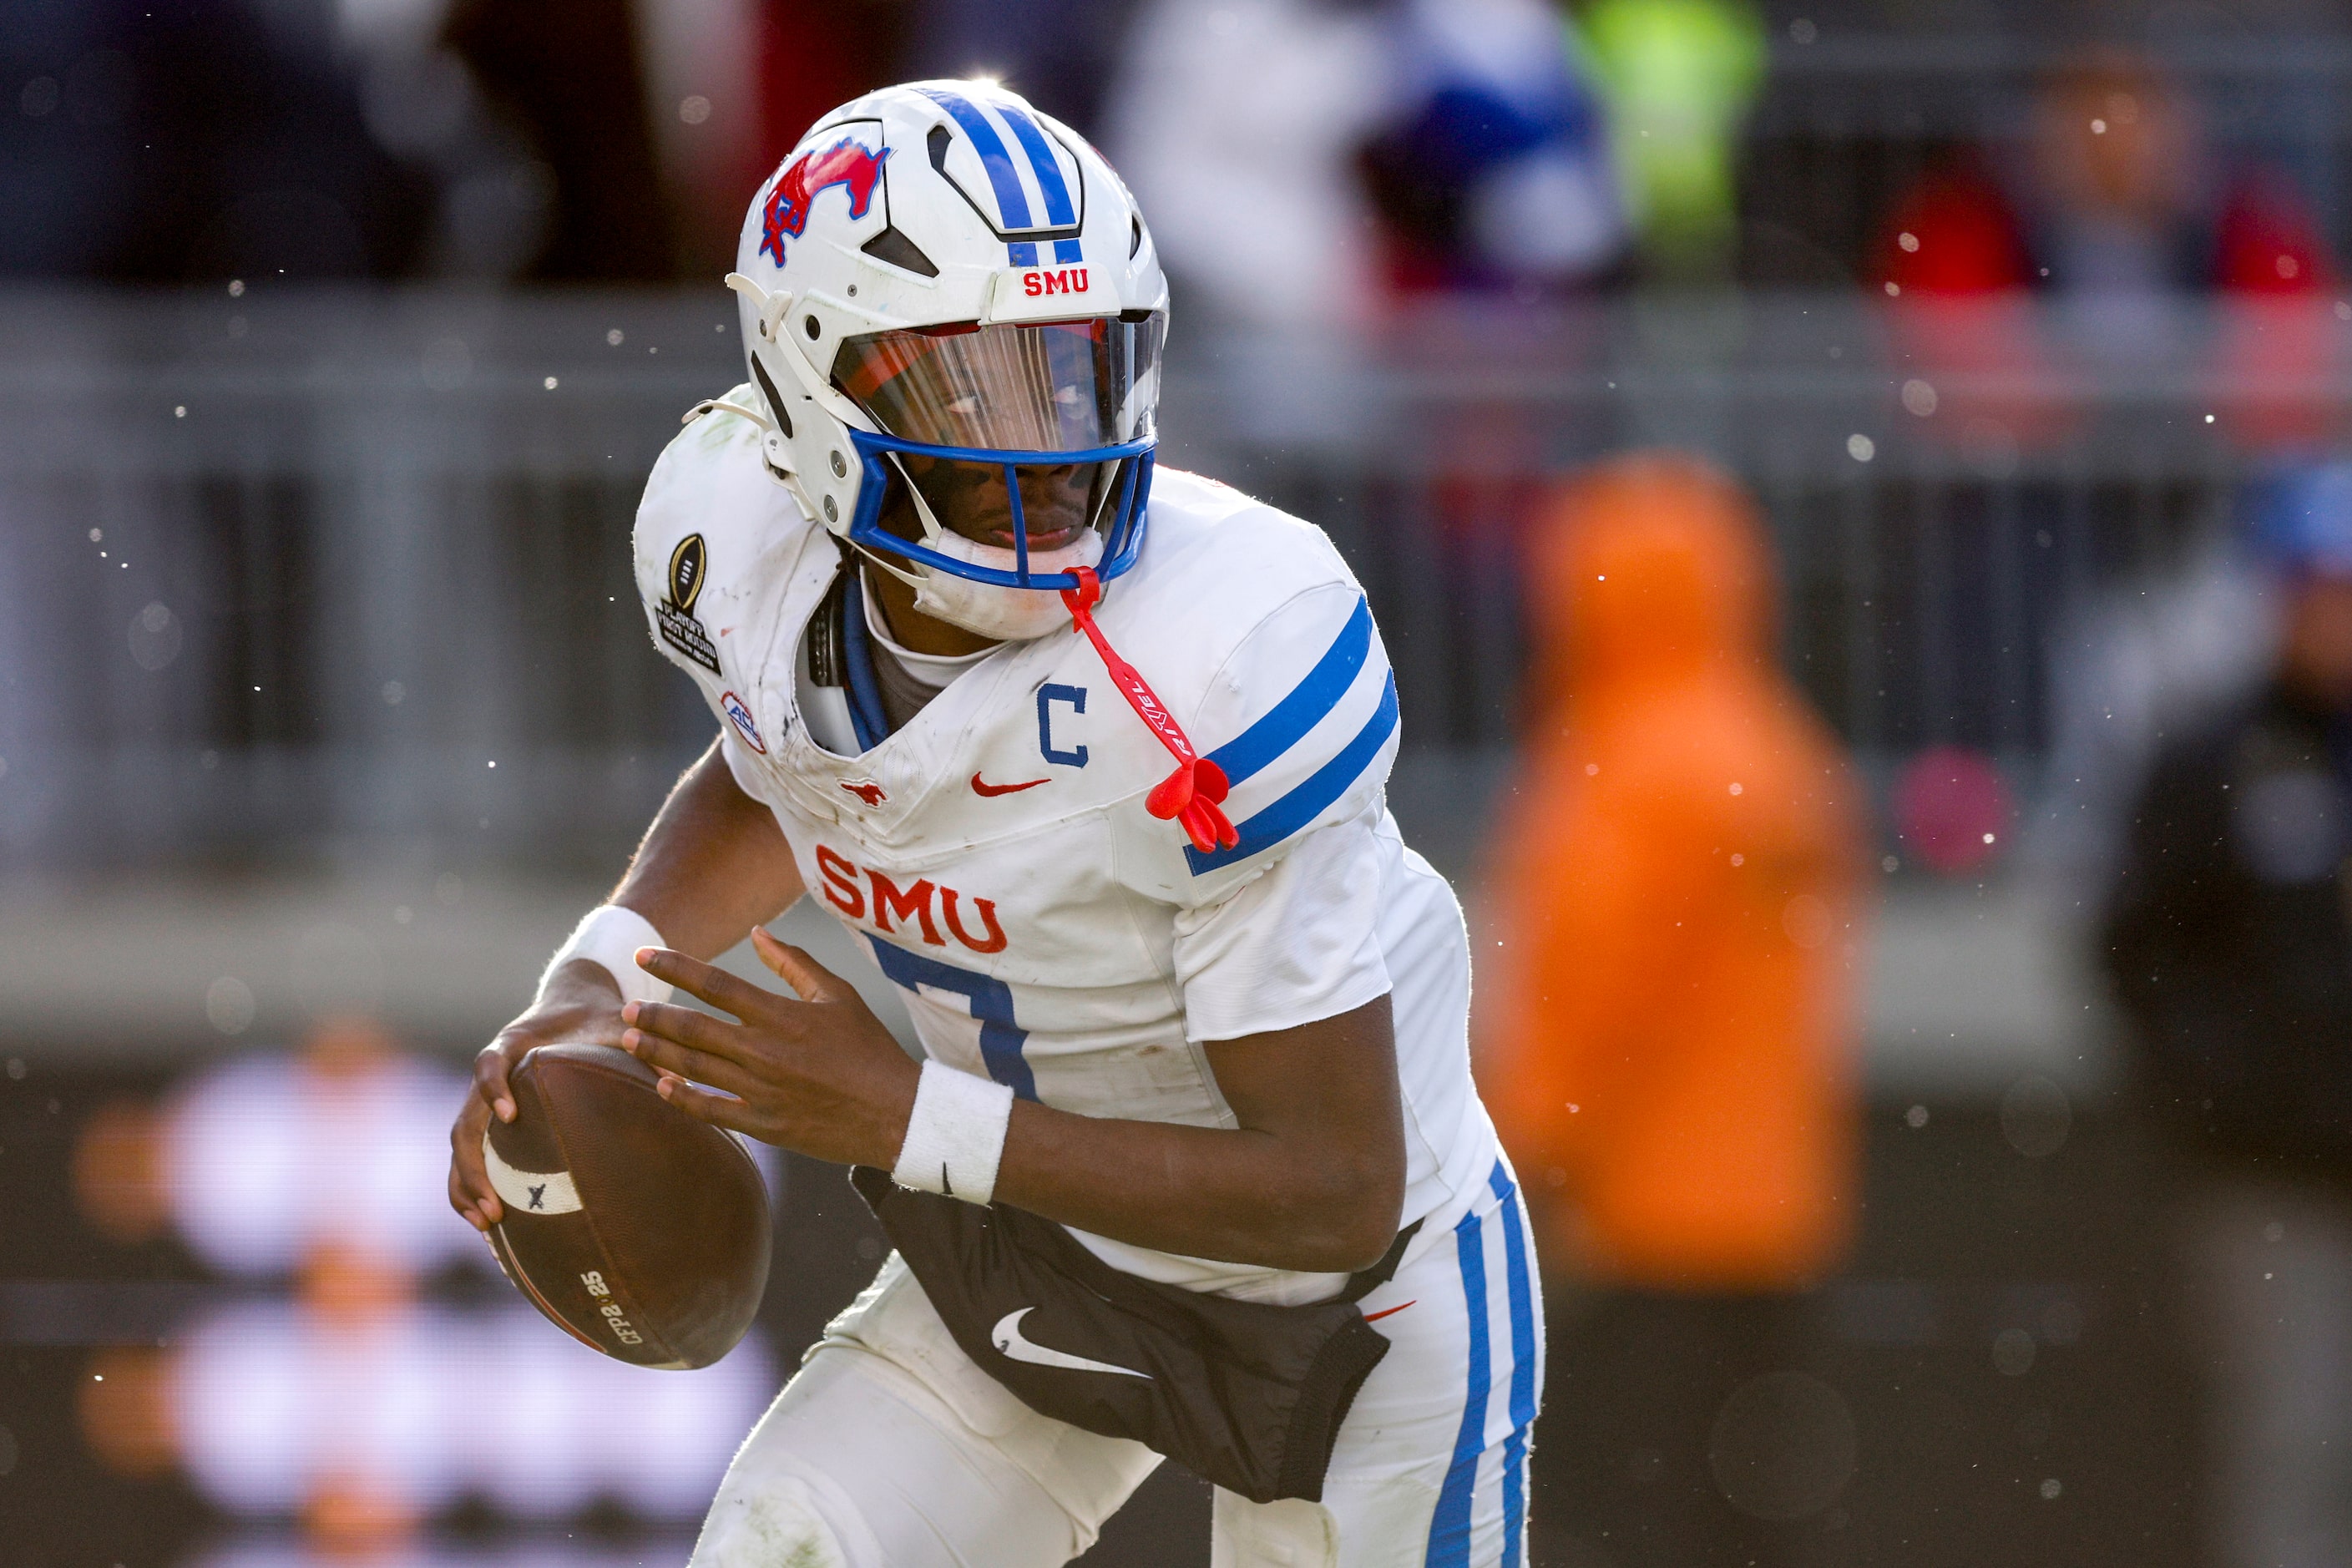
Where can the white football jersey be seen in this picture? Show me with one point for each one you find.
(996, 856)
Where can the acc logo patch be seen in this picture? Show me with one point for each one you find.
(739, 713)
(689, 564)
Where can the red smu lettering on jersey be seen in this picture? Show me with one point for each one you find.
(864, 894)
(1061, 280)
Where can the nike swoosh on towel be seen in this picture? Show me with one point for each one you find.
(980, 786)
(1008, 1339)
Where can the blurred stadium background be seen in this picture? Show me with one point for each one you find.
(341, 334)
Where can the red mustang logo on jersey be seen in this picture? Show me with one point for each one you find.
(843, 163)
(866, 790)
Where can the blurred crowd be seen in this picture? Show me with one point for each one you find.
(1669, 1012)
(2115, 211)
(521, 139)
(1301, 156)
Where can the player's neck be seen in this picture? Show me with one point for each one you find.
(915, 631)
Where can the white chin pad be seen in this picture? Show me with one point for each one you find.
(1009, 615)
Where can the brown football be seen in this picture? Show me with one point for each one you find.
(639, 1229)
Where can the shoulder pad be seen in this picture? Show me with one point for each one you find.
(709, 524)
(1254, 634)
(1216, 566)
(1253, 630)
(1302, 720)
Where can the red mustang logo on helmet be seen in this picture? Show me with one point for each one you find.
(843, 163)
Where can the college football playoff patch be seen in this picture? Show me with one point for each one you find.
(689, 564)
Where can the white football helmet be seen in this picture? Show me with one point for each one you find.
(941, 284)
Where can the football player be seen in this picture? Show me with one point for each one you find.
(1092, 759)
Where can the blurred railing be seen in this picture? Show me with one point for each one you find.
(292, 575)
(287, 575)
(1938, 528)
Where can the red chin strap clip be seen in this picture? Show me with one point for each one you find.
(1191, 794)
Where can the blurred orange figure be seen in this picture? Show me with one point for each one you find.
(1666, 1032)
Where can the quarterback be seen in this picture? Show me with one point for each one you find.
(1092, 759)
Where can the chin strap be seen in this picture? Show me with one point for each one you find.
(720, 406)
(1191, 794)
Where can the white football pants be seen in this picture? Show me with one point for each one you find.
(890, 1448)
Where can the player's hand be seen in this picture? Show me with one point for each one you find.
(819, 1075)
(580, 1003)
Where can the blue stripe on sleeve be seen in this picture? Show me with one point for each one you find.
(1303, 804)
(1002, 177)
(1317, 694)
(1058, 211)
(1449, 1523)
(1523, 1365)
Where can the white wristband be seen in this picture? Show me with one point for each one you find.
(610, 936)
(955, 1139)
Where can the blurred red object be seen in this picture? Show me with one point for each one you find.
(1952, 808)
(2277, 347)
(125, 1411)
(118, 1172)
(2117, 205)
(1953, 266)
(350, 1519)
(1953, 235)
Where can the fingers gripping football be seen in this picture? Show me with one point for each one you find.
(579, 1002)
(684, 1043)
(469, 1185)
(818, 1073)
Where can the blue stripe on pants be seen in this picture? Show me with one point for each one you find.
(1449, 1526)
(1523, 1364)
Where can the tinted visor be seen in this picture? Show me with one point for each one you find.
(1053, 386)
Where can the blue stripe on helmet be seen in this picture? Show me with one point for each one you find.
(1068, 250)
(1523, 1363)
(1305, 804)
(1058, 211)
(1290, 719)
(1011, 204)
(1449, 1522)
(1022, 252)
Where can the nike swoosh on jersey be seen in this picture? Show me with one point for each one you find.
(1008, 1339)
(981, 786)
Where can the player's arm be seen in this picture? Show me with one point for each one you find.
(1312, 1179)
(713, 862)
